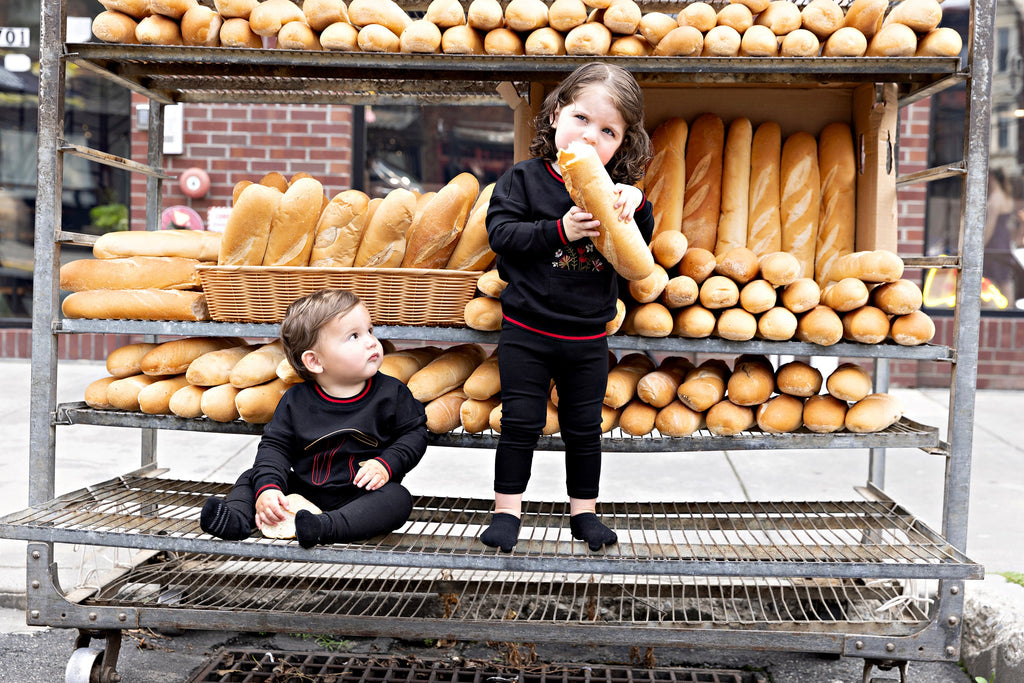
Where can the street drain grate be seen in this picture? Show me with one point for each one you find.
(258, 666)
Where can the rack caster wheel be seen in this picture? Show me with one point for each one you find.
(91, 664)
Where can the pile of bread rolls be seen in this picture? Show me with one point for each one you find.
(141, 275)
(755, 28)
(281, 222)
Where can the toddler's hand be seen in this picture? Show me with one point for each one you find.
(577, 224)
(371, 475)
(629, 198)
(271, 507)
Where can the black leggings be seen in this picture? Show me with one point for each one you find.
(362, 515)
(527, 363)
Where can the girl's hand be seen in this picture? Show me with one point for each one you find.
(371, 475)
(271, 507)
(629, 198)
(578, 224)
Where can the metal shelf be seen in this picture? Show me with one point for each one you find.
(904, 434)
(874, 538)
(194, 74)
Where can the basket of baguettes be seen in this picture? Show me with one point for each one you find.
(414, 259)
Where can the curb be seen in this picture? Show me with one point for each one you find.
(993, 635)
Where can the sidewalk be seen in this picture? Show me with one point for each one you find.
(88, 454)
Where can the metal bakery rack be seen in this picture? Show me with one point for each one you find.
(835, 577)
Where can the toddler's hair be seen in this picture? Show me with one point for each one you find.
(304, 319)
(628, 164)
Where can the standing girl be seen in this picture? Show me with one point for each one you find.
(561, 293)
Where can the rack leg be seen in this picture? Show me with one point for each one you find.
(89, 664)
(884, 665)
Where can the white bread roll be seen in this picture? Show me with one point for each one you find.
(622, 17)
(114, 27)
(700, 15)
(866, 16)
(405, 363)
(799, 379)
(845, 42)
(781, 16)
(387, 13)
(736, 324)
(589, 39)
(173, 357)
(666, 176)
(155, 399)
(651, 320)
(735, 16)
(824, 414)
(341, 36)
(867, 325)
(698, 264)
(123, 394)
(483, 313)
(592, 189)
(822, 17)
(649, 288)
(801, 295)
(725, 418)
(694, 322)
(474, 414)
(446, 372)
(420, 37)
(444, 413)
(800, 43)
(879, 265)
(157, 29)
(680, 291)
(669, 247)
(893, 40)
(96, 393)
(702, 204)
(286, 528)
(297, 36)
(777, 324)
(136, 304)
(214, 367)
(378, 38)
(235, 32)
(384, 235)
(739, 264)
(445, 13)
(677, 420)
(192, 244)
(133, 272)
(247, 230)
(873, 413)
(485, 381)
(820, 325)
(780, 414)
(257, 367)
(137, 9)
(200, 26)
(682, 41)
(545, 42)
(752, 381)
(780, 268)
(898, 298)
(267, 18)
(718, 292)
(704, 386)
(637, 418)
(613, 325)
(462, 40)
(764, 227)
(653, 25)
(942, 42)
(755, 6)
(846, 295)
(800, 198)
(732, 223)
(339, 230)
(218, 403)
(912, 329)
(624, 378)
(526, 15)
(126, 360)
(849, 382)
(920, 15)
(187, 402)
(484, 15)
(759, 41)
(658, 387)
(757, 296)
(503, 41)
(322, 13)
(491, 284)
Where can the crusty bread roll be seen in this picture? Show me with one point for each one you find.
(658, 387)
(474, 414)
(757, 296)
(137, 9)
(637, 418)
(752, 381)
(694, 322)
(873, 413)
(759, 41)
(133, 272)
(739, 264)
(235, 32)
(293, 225)
(174, 357)
(341, 36)
(866, 16)
(837, 225)
(297, 36)
(172, 9)
(649, 288)
(491, 284)
(780, 268)
(405, 363)
(755, 6)
(544, 41)
(155, 399)
(123, 394)
(682, 41)
(247, 230)
(96, 393)
(721, 41)
(892, 40)
(258, 366)
(114, 27)
(676, 419)
(275, 180)
(653, 25)
(845, 42)
(613, 325)
(651, 320)
(339, 230)
(187, 402)
(920, 15)
(777, 324)
(941, 42)
(126, 360)
(867, 325)
(462, 40)
(484, 381)
(483, 313)
(286, 528)
(200, 26)
(824, 414)
(589, 39)
(287, 373)
(781, 16)
(820, 325)
(157, 29)
(764, 227)
(666, 176)
(898, 298)
(503, 41)
(622, 17)
(526, 15)
(705, 149)
(846, 295)
(624, 378)
(797, 378)
(800, 43)
(698, 264)
(420, 37)
(912, 329)
(322, 13)
(484, 15)
(725, 418)
(704, 386)
(801, 295)
(822, 17)
(235, 8)
(378, 38)
(214, 367)
(387, 13)
(849, 382)
(267, 18)
(668, 247)
(431, 239)
(732, 223)
(445, 13)
(879, 265)
(700, 15)
(800, 198)
(719, 292)
(680, 291)
(384, 236)
(736, 16)
(444, 413)
(591, 188)
(780, 414)
(136, 304)
(446, 372)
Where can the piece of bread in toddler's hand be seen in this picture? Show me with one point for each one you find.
(286, 529)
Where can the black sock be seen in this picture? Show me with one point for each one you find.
(217, 519)
(310, 529)
(587, 527)
(502, 533)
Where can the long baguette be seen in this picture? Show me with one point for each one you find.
(837, 164)
(732, 223)
(591, 188)
(764, 228)
(248, 227)
(800, 199)
(432, 238)
(134, 272)
(384, 237)
(137, 304)
(339, 230)
(294, 224)
(473, 251)
(705, 147)
(666, 175)
(195, 244)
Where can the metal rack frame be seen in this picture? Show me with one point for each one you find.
(717, 556)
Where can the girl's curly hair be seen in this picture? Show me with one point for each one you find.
(628, 164)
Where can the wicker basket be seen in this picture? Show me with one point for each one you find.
(394, 296)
